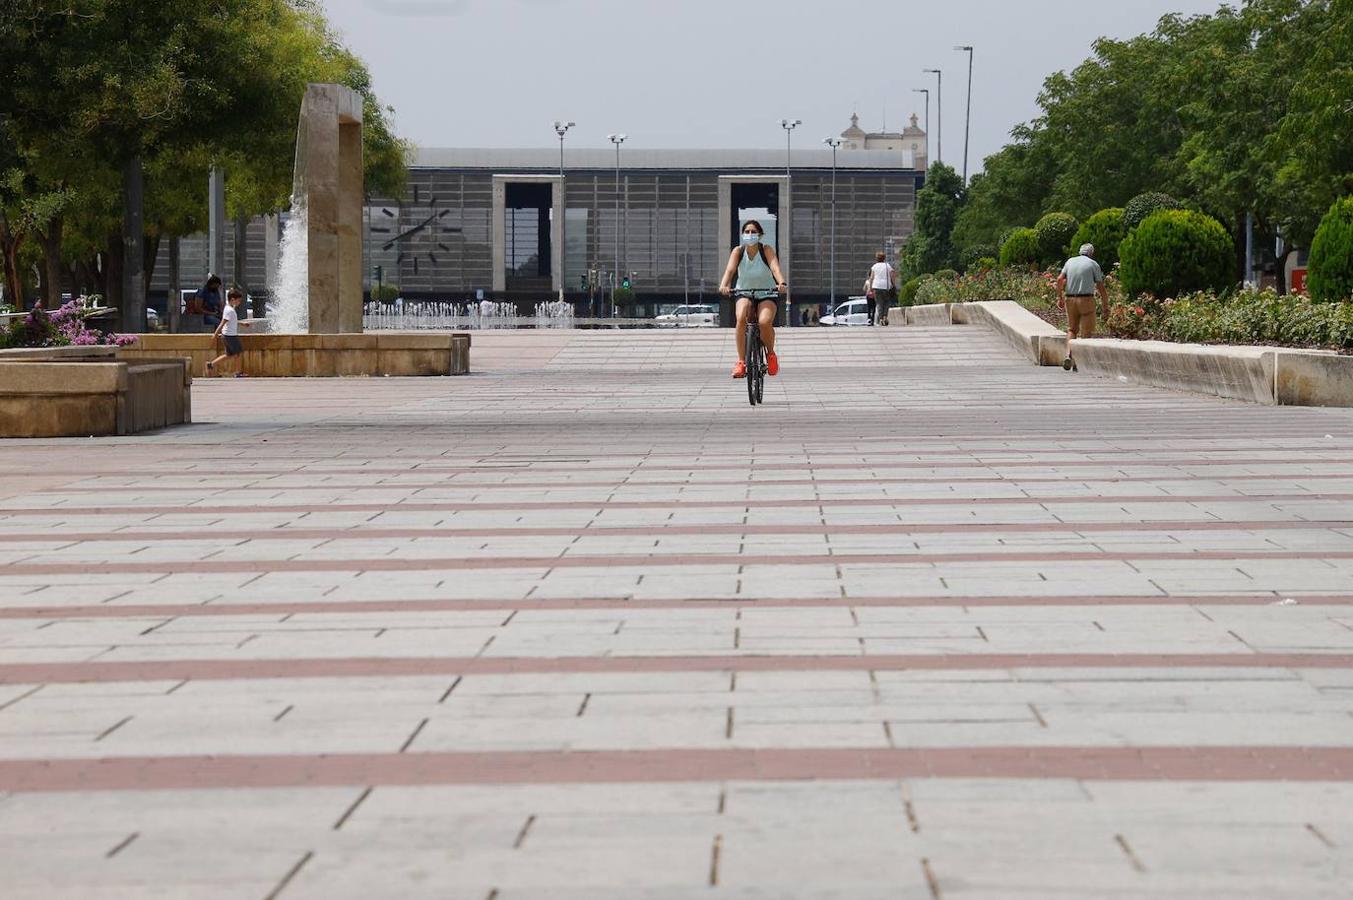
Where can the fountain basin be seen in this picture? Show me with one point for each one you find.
(393, 353)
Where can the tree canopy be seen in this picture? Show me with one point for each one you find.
(87, 86)
(1244, 111)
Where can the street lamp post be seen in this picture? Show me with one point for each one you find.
(939, 112)
(561, 129)
(833, 143)
(616, 139)
(925, 91)
(788, 125)
(967, 119)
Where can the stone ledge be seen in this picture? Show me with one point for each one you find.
(31, 354)
(1036, 340)
(83, 398)
(1237, 373)
(321, 355)
(927, 315)
(1312, 378)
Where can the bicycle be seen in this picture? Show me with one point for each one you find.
(756, 351)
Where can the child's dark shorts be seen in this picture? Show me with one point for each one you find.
(233, 345)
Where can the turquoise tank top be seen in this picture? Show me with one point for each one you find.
(753, 273)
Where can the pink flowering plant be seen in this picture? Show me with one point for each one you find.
(63, 327)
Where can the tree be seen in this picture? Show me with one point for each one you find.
(938, 204)
(1013, 189)
(1331, 264)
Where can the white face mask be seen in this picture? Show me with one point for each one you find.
(751, 239)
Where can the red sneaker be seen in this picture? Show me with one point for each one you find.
(772, 364)
(740, 370)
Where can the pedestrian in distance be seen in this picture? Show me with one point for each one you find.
(880, 289)
(207, 301)
(1080, 281)
(229, 328)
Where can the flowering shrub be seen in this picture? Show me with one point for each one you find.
(60, 328)
(1249, 316)
(1035, 290)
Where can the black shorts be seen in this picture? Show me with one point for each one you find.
(233, 345)
(756, 301)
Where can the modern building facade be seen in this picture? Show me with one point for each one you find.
(488, 221)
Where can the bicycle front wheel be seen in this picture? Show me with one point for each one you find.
(753, 364)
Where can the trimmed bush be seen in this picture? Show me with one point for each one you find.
(1105, 230)
(985, 264)
(1176, 251)
(906, 295)
(1021, 248)
(1143, 205)
(947, 274)
(1055, 231)
(971, 255)
(1329, 275)
(384, 293)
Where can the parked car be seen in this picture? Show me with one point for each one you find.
(855, 311)
(689, 316)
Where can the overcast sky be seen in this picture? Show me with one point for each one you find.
(714, 73)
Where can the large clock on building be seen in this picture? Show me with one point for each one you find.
(417, 235)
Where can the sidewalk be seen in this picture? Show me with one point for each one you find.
(931, 623)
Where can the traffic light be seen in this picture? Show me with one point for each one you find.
(625, 283)
(582, 283)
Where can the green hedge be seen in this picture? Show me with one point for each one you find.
(1021, 248)
(1143, 205)
(1330, 270)
(1055, 231)
(1174, 252)
(906, 295)
(1106, 231)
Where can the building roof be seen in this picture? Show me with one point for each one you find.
(510, 160)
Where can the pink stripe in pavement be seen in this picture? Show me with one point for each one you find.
(207, 506)
(1160, 763)
(518, 484)
(289, 607)
(676, 559)
(368, 531)
(375, 666)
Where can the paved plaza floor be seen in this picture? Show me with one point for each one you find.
(931, 623)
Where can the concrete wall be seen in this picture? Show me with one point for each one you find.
(72, 397)
(321, 355)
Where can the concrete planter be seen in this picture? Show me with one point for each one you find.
(85, 391)
(321, 355)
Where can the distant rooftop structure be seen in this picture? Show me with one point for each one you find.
(911, 140)
(892, 158)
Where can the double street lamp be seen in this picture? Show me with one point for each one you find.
(833, 142)
(617, 140)
(561, 129)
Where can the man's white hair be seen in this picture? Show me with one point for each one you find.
(1087, 249)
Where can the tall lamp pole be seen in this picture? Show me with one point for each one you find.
(939, 112)
(616, 139)
(833, 143)
(788, 125)
(925, 91)
(561, 129)
(967, 123)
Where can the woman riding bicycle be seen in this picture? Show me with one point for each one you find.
(758, 273)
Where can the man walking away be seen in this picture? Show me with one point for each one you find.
(1080, 280)
(882, 286)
